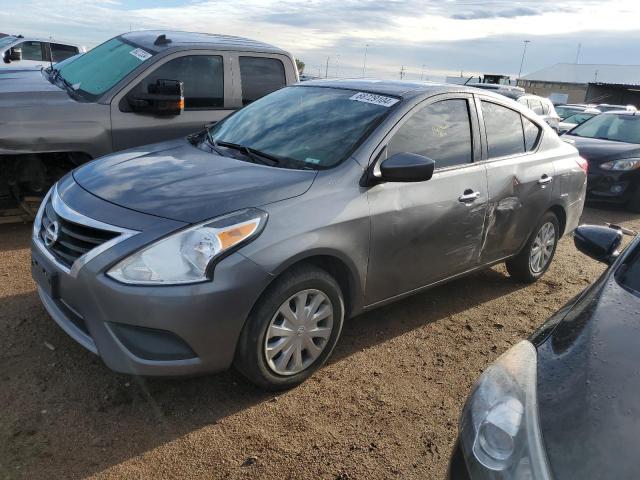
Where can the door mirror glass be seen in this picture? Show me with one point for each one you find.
(406, 167)
(599, 243)
(164, 97)
(14, 54)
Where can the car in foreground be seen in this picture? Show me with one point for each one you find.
(563, 404)
(251, 242)
(136, 88)
(543, 107)
(26, 53)
(576, 119)
(610, 142)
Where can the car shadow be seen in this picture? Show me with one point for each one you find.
(50, 384)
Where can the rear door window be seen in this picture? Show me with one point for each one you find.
(504, 130)
(31, 50)
(202, 76)
(440, 131)
(61, 52)
(260, 76)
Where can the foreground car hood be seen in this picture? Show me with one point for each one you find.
(589, 386)
(599, 151)
(178, 181)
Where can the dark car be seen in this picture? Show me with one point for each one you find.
(249, 243)
(564, 404)
(610, 142)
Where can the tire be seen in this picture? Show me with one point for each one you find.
(272, 362)
(523, 266)
(634, 204)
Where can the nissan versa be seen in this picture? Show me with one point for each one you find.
(564, 404)
(249, 243)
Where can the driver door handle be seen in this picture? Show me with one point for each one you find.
(544, 179)
(469, 196)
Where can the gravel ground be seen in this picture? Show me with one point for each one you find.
(386, 406)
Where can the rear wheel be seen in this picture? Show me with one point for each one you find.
(292, 330)
(536, 256)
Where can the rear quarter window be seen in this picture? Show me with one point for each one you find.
(260, 76)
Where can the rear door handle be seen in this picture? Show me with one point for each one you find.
(469, 196)
(544, 179)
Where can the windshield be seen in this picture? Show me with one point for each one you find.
(629, 273)
(579, 118)
(6, 41)
(316, 126)
(565, 112)
(611, 126)
(96, 71)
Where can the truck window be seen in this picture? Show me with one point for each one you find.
(260, 76)
(31, 50)
(202, 76)
(61, 52)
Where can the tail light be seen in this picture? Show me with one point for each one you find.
(583, 164)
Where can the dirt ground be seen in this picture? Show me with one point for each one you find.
(386, 406)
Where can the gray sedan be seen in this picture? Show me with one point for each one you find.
(249, 243)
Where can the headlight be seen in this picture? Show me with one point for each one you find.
(621, 165)
(499, 429)
(185, 257)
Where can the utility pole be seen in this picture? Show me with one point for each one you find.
(337, 66)
(364, 63)
(402, 72)
(326, 70)
(422, 72)
(578, 52)
(524, 51)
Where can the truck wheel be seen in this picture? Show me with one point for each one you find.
(536, 256)
(292, 329)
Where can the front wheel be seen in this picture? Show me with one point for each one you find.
(536, 256)
(292, 330)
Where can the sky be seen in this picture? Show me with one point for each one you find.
(425, 38)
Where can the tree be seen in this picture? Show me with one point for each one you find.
(300, 66)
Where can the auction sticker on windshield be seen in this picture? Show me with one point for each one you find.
(375, 99)
(140, 54)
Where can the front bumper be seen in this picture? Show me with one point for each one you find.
(148, 330)
(617, 187)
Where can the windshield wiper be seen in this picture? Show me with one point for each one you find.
(252, 153)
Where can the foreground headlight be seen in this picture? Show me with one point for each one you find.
(499, 429)
(621, 165)
(185, 257)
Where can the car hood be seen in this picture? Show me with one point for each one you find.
(589, 385)
(597, 151)
(179, 181)
(28, 88)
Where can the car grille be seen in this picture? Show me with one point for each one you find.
(74, 240)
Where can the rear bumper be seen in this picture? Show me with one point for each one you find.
(154, 331)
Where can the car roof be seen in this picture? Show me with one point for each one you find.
(399, 88)
(39, 39)
(181, 40)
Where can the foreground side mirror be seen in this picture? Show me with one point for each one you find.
(165, 97)
(406, 167)
(13, 55)
(599, 243)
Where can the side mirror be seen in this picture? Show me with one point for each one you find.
(599, 243)
(406, 167)
(165, 97)
(14, 54)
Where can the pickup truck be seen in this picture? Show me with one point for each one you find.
(27, 53)
(134, 89)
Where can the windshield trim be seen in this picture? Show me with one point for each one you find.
(356, 145)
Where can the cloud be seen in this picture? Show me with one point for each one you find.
(508, 13)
